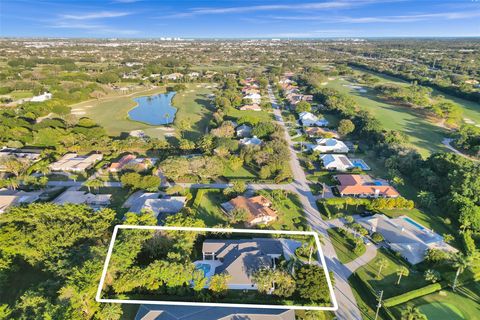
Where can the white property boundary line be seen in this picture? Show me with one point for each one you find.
(98, 298)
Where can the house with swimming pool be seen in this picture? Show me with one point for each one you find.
(241, 258)
(406, 236)
(364, 186)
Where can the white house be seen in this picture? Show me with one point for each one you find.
(337, 162)
(255, 97)
(254, 141)
(43, 97)
(308, 119)
(406, 236)
(74, 162)
(330, 145)
(243, 131)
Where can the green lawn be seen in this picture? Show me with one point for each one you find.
(261, 116)
(343, 247)
(290, 213)
(112, 113)
(423, 135)
(446, 304)
(21, 94)
(207, 206)
(243, 173)
(471, 109)
(388, 277)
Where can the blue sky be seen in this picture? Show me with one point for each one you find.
(239, 19)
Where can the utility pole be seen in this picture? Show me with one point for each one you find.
(379, 304)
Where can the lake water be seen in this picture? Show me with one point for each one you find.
(154, 110)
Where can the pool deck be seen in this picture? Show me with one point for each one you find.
(212, 263)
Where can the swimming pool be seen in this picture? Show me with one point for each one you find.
(204, 267)
(359, 163)
(419, 226)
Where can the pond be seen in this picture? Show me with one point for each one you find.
(154, 110)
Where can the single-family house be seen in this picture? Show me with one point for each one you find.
(244, 131)
(41, 98)
(406, 236)
(253, 141)
(364, 186)
(338, 162)
(24, 155)
(95, 201)
(131, 161)
(11, 198)
(254, 97)
(308, 119)
(251, 107)
(169, 312)
(259, 209)
(159, 207)
(173, 76)
(330, 145)
(240, 259)
(75, 163)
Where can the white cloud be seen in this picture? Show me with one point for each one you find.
(413, 17)
(384, 19)
(95, 15)
(278, 7)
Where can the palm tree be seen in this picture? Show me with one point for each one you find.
(461, 263)
(93, 183)
(412, 313)
(44, 168)
(74, 177)
(402, 271)
(311, 244)
(381, 263)
(291, 264)
(111, 312)
(431, 275)
(13, 183)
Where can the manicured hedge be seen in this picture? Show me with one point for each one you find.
(402, 298)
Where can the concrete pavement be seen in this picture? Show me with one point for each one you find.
(347, 305)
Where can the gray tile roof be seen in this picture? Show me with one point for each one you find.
(241, 258)
(159, 312)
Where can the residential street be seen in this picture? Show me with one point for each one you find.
(347, 305)
(348, 308)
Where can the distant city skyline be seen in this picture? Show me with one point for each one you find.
(239, 19)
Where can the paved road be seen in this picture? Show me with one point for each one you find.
(348, 308)
(448, 143)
